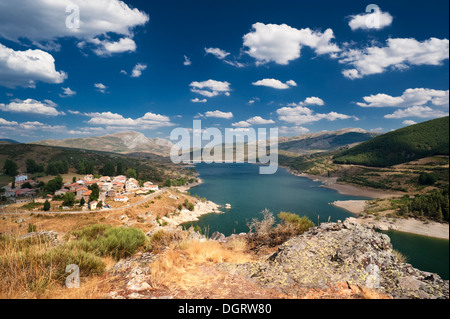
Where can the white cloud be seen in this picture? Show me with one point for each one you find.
(241, 124)
(257, 120)
(107, 48)
(148, 121)
(67, 92)
(211, 88)
(218, 53)
(100, 87)
(411, 97)
(375, 20)
(282, 44)
(309, 101)
(44, 22)
(9, 123)
(197, 100)
(187, 61)
(219, 114)
(25, 68)
(276, 84)
(409, 122)
(399, 54)
(424, 112)
(46, 108)
(138, 69)
(300, 115)
(294, 130)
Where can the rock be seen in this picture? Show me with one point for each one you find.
(47, 236)
(335, 253)
(216, 236)
(19, 220)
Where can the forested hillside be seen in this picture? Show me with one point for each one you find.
(401, 146)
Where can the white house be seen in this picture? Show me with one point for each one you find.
(21, 178)
(123, 199)
(93, 205)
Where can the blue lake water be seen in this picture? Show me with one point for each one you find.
(249, 193)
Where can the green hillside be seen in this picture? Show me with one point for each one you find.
(401, 146)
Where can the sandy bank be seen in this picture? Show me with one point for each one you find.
(347, 189)
(410, 225)
(200, 209)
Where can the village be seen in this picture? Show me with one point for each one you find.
(109, 192)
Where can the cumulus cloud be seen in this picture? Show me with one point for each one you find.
(276, 84)
(25, 68)
(67, 92)
(197, 100)
(100, 87)
(29, 126)
(187, 61)
(148, 121)
(138, 69)
(211, 88)
(424, 112)
(293, 130)
(44, 22)
(256, 120)
(282, 43)
(409, 122)
(398, 54)
(411, 97)
(309, 101)
(46, 108)
(300, 115)
(108, 48)
(219, 114)
(371, 20)
(218, 53)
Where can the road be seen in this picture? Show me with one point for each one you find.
(146, 199)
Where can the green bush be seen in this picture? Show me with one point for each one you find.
(104, 240)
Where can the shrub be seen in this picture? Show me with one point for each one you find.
(104, 240)
(262, 233)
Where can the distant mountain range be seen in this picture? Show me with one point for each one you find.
(7, 141)
(134, 142)
(324, 141)
(123, 143)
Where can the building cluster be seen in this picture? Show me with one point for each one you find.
(117, 188)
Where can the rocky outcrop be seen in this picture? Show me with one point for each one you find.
(342, 252)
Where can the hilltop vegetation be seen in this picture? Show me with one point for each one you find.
(401, 146)
(39, 161)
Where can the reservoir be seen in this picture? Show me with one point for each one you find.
(249, 193)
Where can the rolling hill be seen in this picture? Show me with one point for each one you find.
(401, 146)
(123, 143)
(324, 141)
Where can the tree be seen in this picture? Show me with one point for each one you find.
(95, 192)
(108, 169)
(427, 179)
(119, 170)
(69, 199)
(82, 201)
(54, 184)
(33, 167)
(46, 206)
(131, 173)
(10, 168)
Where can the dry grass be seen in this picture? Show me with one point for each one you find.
(180, 266)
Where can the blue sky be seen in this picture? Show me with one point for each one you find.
(152, 66)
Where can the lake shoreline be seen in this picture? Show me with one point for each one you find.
(413, 226)
(345, 189)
